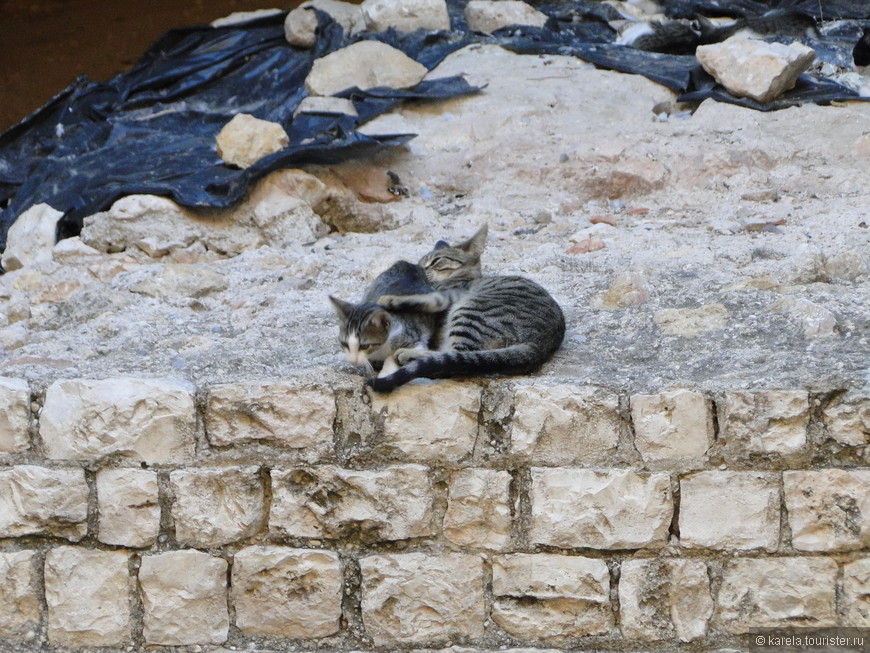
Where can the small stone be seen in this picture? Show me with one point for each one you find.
(19, 603)
(326, 105)
(192, 280)
(672, 426)
(128, 505)
(629, 288)
(364, 65)
(479, 509)
(755, 69)
(31, 237)
(772, 422)
(603, 219)
(184, 598)
(487, 16)
(73, 249)
(405, 15)
(815, 321)
(244, 140)
(848, 265)
(14, 415)
(763, 195)
(13, 337)
(856, 593)
(587, 245)
(300, 26)
(691, 322)
(41, 501)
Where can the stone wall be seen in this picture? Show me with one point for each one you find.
(491, 516)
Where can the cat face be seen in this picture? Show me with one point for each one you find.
(455, 263)
(363, 331)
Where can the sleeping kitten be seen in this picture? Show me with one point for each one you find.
(493, 325)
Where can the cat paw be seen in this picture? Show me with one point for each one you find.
(389, 301)
(405, 356)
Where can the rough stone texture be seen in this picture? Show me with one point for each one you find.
(430, 426)
(674, 425)
(856, 593)
(815, 321)
(299, 418)
(479, 509)
(283, 592)
(729, 510)
(14, 415)
(829, 509)
(608, 509)
(777, 593)
(19, 604)
(184, 598)
(327, 105)
(564, 424)
(244, 140)
(148, 420)
(417, 598)
(847, 419)
(755, 69)
(300, 26)
(217, 506)
(127, 500)
(664, 599)
(773, 422)
(31, 238)
(490, 15)
(405, 15)
(551, 597)
(394, 503)
(37, 500)
(691, 322)
(365, 65)
(629, 288)
(87, 596)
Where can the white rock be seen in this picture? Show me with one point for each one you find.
(41, 501)
(87, 596)
(187, 280)
(283, 413)
(564, 424)
(365, 65)
(479, 509)
(674, 425)
(488, 16)
(152, 420)
(829, 509)
(848, 265)
(19, 603)
(217, 506)
(31, 237)
(629, 288)
(394, 503)
(770, 422)
(405, 15)
(14, 415)
(816, 321)
(244, 140)
(291, 593)
(300, 26)
(547, 596)
(691, 322)
(73, 249)
(600, 509)
(729, 510)
(777, 593)
(755, 69)
(327, 105)
(856, 593)
(127, 500)
(419, 598)
(847, 419)
(184, 598)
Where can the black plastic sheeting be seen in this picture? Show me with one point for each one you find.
(152, 129)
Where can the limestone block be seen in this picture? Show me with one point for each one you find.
(674, 425)
(405, 15)
(14, 415)
(283, 592)
(479, 509)
(244, 140)
(326, 105)
(87, 593)
(777, 593)
(564, 424)
(847, 419)
(856, 593)
(691, 322)
(285, 414)
(600, 509)
(31, 237)
(300, 26)
(546, 596)
(152, 420)
(217, 506)
(394, 503)
(664, 599)
(430, 422)
(829, 509)
(127, 500)
(41, 501)
(184, 598)
(755, 69)
(487, 16)
(365, 65)
(417, 598)
(729, 510)
(19, 603)
(764, 422)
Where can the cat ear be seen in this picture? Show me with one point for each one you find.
(475, 244)
(441, 244)
(341, 307)
(381, 319)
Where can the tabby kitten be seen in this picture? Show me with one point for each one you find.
(493, 325)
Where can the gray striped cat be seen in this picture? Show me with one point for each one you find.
(493, 325)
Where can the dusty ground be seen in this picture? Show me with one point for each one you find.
(751, 226)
